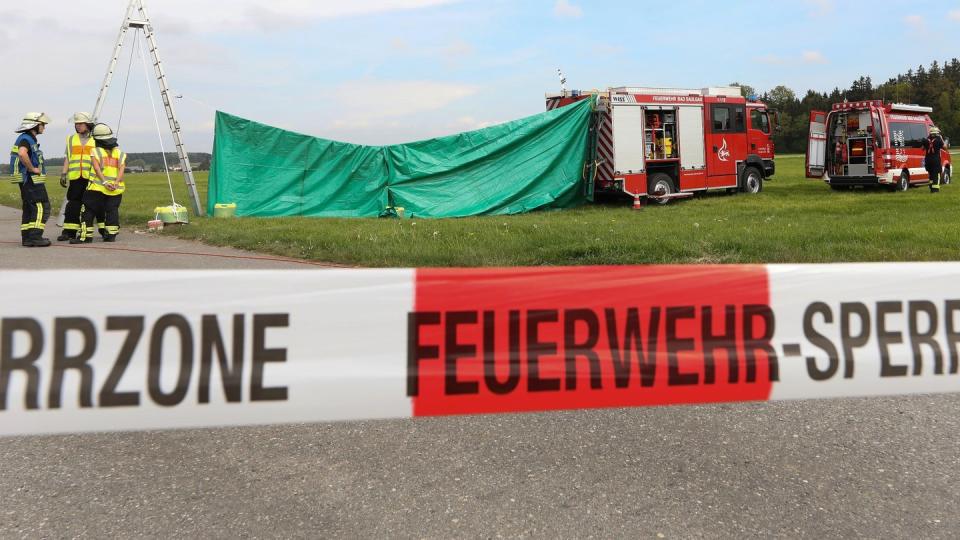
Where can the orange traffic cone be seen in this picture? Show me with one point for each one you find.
(637, 205)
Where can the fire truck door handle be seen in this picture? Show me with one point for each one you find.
(715, 149)
(754, 146)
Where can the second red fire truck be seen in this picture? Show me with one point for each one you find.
(870, 143)
(661, 142)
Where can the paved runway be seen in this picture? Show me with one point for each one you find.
(848, 468)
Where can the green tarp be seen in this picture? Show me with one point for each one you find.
(529, 164)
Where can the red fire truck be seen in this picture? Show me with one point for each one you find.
(665, 142)
(869, 143)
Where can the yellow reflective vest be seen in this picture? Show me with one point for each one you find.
(111, 163)
(78, 157)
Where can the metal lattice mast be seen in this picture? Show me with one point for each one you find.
(136, 17)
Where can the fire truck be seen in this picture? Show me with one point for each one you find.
(869, 143)
(665, 143)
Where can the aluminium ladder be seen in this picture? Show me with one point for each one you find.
(136, 18)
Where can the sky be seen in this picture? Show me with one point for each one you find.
(393, 71)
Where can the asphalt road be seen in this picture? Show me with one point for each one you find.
(876, 468)
(134, 249)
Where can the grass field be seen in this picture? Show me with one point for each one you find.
(792, 220)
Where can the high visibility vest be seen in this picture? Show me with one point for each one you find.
(111, 163)
(78, 157)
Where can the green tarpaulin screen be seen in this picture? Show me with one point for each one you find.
(529, 164)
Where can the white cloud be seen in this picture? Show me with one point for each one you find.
(469, 123)
(189, 32)
(211, 17)
(954, 15)
(813, 57)
(916, 22)
(365, 103)
(565, 9)
(821, 8)
(280, 14)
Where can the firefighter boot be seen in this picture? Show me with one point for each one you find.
(85, 237)
(34, 238)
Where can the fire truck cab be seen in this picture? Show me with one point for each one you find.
(869, 143)
(665, 142)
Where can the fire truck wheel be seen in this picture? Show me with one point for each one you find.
(904, 183)
(752, 180)
(661, 184)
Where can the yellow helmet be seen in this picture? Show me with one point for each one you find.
(83, 118)
(32, 120)
(934, 130)
(102, 132)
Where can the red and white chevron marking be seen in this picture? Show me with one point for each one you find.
(268, 347)
(605, 148)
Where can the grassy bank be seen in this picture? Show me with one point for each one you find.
(792, 220)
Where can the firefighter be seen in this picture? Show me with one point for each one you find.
(932, 146)
(105, 189)
(26, 163)
(76, 173)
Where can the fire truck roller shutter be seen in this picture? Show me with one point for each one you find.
(691, 138)
(816, 165)
(628, 139)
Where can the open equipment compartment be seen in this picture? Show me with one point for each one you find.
(852, 139)
(660, 134)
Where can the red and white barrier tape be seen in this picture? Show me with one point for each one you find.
(155, 350)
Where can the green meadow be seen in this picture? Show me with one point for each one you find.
(793, 220)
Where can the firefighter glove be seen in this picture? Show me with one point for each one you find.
(63, 180)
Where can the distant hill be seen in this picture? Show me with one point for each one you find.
(153, 161)
(150, 161)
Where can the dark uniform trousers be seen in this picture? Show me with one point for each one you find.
(71, 222)
(96, 204)
(36, 209)
(72, 216)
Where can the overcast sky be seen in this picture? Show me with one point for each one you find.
(389, 71)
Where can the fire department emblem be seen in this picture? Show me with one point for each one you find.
(724, 153)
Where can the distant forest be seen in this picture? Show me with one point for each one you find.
(150, 161)
(937, 86)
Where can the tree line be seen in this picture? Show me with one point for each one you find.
(148, 161)
(936, 86)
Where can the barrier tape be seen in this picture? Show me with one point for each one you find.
(181, 349)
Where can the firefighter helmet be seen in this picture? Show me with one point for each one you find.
(83, 118)
(32, 120)
(102, 132)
